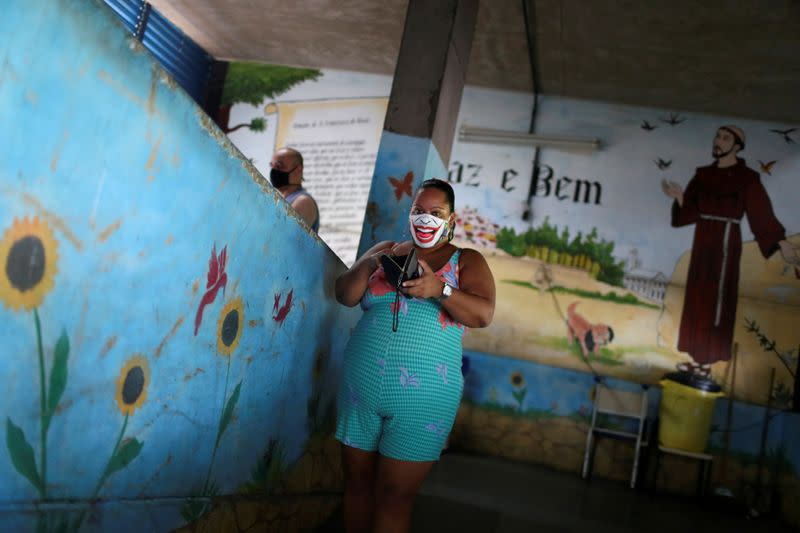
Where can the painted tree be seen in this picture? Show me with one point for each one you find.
(250, 83)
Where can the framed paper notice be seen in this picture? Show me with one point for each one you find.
(339, 141)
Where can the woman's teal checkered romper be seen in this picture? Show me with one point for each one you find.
(401, 390)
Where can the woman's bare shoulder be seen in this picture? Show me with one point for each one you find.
(471, 256)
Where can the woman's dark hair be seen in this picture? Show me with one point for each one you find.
(435, 183)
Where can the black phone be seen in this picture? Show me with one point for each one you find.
(400, 268)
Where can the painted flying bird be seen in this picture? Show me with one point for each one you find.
(646, 126)
(766, 168)
(785, 134)
(673, 120)
(217, 279)
(661, 164)
(281, 311)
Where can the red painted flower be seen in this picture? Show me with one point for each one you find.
(217, 279)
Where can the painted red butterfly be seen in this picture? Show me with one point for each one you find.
(401, 187)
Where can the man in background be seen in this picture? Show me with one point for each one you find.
(286, 175)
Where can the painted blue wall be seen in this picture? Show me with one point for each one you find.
(137, 187)
(553, 391)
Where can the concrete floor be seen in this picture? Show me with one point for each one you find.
(477, 494)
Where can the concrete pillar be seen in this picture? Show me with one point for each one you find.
(421, 116)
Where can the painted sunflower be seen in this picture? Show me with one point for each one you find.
(28, 256)
(230, 326)
(132, 384)
(516, 379)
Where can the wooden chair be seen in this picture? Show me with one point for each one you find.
(618, 403)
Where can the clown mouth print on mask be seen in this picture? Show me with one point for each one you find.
(427, 230)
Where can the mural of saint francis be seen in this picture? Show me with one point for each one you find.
(715, 201)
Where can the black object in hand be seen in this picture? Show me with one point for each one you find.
(400, 268)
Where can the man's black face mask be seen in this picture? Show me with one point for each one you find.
(279, 178)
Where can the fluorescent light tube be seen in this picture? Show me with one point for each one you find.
(490, 136)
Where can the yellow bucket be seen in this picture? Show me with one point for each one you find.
(685, 416)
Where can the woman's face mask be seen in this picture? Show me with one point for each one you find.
(428, 230)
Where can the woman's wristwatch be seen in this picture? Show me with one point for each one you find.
(447, 291)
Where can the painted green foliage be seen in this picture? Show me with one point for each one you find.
(22, 455)
(230, 326)
(268, 471)
(547, 237)
(20, 450)
(613, 297)
(250, 83)
(199, 503)
(782, 394)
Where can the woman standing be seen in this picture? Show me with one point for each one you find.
(401, 389)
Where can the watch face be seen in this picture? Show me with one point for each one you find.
(447, 290)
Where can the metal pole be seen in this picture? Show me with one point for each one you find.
(729, 414)
(529, 18)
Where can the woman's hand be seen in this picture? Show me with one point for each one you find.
(351, 285)
(402, 248)
(374, 260)
(425, 286)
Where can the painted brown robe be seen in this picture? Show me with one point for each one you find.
(715, 201)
